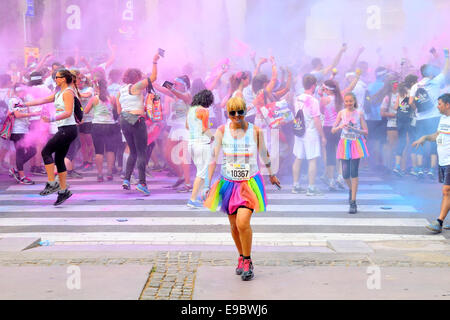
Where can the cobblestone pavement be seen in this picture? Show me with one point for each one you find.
(172, 274)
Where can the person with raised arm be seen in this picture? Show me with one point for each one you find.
(178, 135)
(130, 107)
(424, 97)
(59, 144)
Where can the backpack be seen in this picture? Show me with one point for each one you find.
(404, 113)
(153, 104)
(422, 100)
(299, 126)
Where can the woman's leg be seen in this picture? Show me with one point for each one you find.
(346, 172)
(235, 233)
(354, 169)
(392, 138)
(243, 217)
(98, 137)
(140, 140)
(129, 137)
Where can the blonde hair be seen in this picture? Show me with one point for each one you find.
(236, 104)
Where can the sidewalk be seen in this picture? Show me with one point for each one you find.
(390, 270)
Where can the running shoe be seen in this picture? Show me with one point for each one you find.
(446, 226)
(148, 172)
(298, 189)
(176, 184)
(247, 270)
(413, 171)
(38, 171)
(87, 166)
(74, 174)
(109, 177)
(313, 191)
(157, 168)
(143, 188)
(324, 179)
(240, 267)
(184, 189)
(332, 186)
(434, 227)
(50, 188)
(15, 174)
(26, 180)
(340, 182)
(398, 172)
(420, 173)
(100, 179)
(134, 181)
(126, 185)
(82, 166)
(62, 196)
(194, 204)
(432, 173)
(353, 209)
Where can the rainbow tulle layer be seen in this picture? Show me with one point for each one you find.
(352, 149)
(230, 195)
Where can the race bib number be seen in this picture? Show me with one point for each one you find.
(238, 171)
(350, 135)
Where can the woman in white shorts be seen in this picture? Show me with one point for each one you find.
(178, 134)
(200, 139)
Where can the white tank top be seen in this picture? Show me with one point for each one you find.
(60, 108)
(353, 120)
(239, 155)
(130, 102)
(196, 135)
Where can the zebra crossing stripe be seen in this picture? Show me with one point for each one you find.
(175, 238)
(178, 196)
(196, 221)
(118, 187)
(183, 208)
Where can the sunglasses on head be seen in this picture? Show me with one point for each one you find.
(239, 112)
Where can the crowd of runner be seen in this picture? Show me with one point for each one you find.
(363, 115)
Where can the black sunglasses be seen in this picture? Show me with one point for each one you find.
(56, 77)
(239, 112)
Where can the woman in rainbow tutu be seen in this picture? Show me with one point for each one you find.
(352, 145)
(240, 191)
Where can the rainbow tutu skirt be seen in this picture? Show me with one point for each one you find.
(352, 149)
(231, 195)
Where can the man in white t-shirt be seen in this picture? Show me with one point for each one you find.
(428, 119)
(308, 146)
(442, 138)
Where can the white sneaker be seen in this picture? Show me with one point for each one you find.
(298, 189)
(340, 182)
(313, 191)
